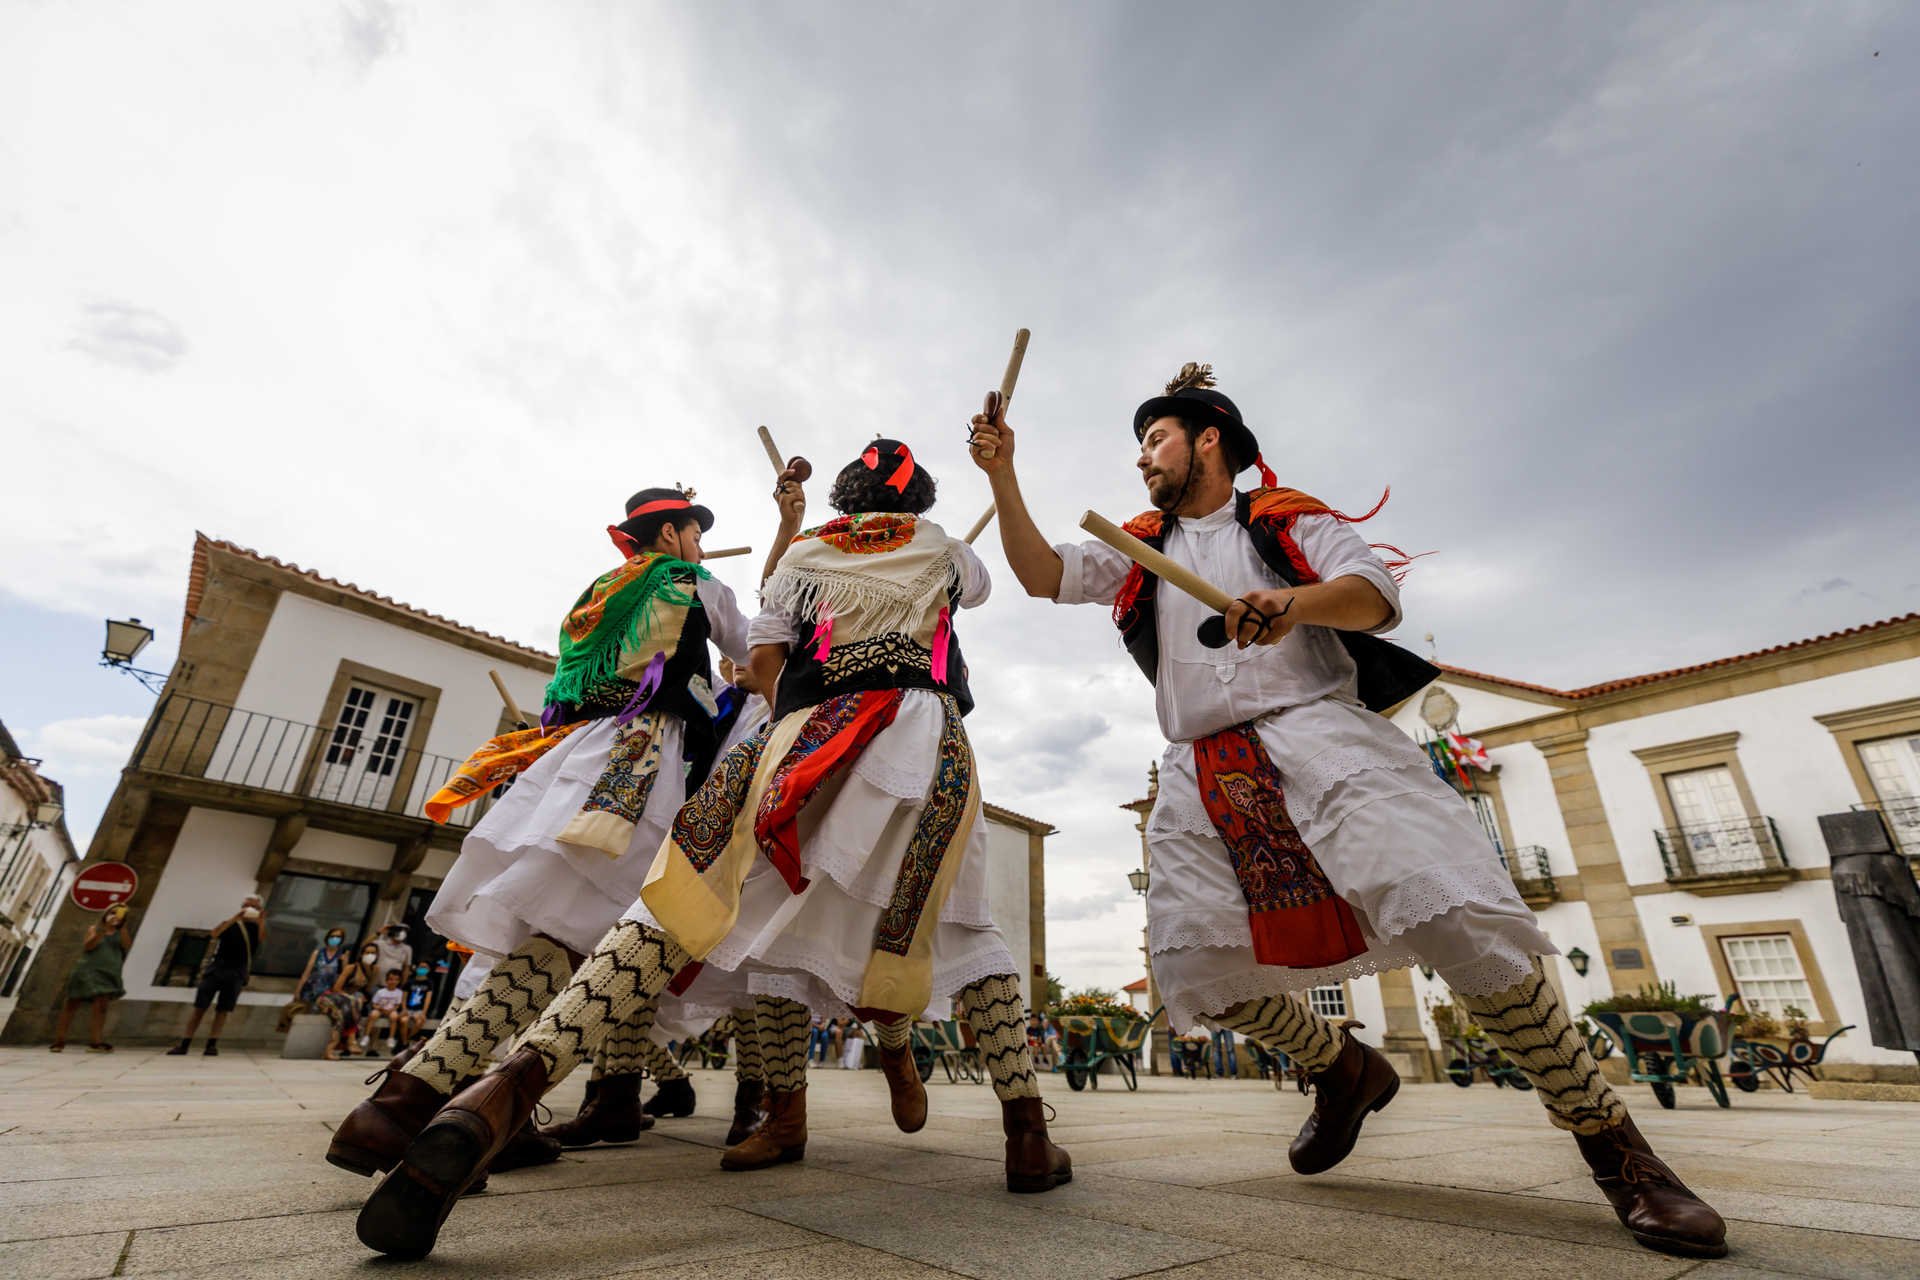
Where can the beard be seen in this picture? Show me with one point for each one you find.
(1164, 488)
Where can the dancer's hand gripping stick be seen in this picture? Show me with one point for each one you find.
(1213, 631)
(995, 408)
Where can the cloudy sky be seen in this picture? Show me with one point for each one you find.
(1622, 303)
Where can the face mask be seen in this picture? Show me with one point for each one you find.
(419, 973)
(369, 956)
(335, 940)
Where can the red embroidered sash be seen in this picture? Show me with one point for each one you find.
(1297, 918)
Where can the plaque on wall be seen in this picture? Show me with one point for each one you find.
(1627, 958)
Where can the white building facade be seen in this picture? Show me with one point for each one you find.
(302, 728)
(36, 861)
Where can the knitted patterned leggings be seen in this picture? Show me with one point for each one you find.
(514, 993)
(629, 968)
(993, 1007)
(783, 1033)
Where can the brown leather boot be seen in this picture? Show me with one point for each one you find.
(781, 1139)
(748, 1111)
(528, 1148)
(1359, 1082)
(375, 1134)
(909, 1096)
(611, 1114)
(672, 1098)
(403, 1215)
(1033, 1162)
(1649, 1200)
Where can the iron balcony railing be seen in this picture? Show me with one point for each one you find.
(1721, 848)
(1902, 817)
(1528, 865)
(361, 767)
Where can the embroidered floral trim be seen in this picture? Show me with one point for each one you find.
(1171, 931)
(950, 974)
(1315, 781)
(1176, 815)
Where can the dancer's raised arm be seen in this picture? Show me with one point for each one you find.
(1033, 559)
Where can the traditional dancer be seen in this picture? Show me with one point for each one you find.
(611, 1110)
(1299, 838)
(629, 719)
(880, 904)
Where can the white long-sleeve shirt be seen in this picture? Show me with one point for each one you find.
(1200, 690)
(772, 626)
(724, 618)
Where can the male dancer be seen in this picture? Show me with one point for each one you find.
(1298, 837)
(629, 721)
(867, 740)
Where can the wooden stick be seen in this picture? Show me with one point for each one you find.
(725, 552)
(1153, 562)
(773, 454)
(998, 408)
(1014, 362)
(513, 709)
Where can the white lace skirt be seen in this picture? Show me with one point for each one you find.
(813, 946)
(1398, 845)
(513, 879)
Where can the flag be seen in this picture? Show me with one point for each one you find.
(1469, 751)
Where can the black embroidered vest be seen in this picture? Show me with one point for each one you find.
(1387, 674)
(889, 661)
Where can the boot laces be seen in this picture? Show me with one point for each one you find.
(380, 1074)
(1638, 1167)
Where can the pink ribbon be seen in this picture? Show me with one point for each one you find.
(942, 632)
(823, 638)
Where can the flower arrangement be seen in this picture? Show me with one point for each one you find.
(1657, 997)
(1092, 1003)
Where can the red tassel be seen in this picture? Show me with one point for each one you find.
(1267, 478)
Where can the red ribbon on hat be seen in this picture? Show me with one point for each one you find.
(902, 474)
(659, 504)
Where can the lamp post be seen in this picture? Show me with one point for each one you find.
(1138, 879)
(125, 639)
(1579, 960)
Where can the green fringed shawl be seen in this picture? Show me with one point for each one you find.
(613, 615)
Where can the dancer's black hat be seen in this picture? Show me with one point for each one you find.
(650, 509)
(1191, 397)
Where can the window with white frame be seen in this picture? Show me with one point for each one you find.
(1893, 766)
(1328, 1002)
(1767, 973)
(363, 753)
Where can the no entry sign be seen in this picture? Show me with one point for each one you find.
(103, 884)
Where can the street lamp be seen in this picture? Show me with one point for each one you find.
(1579, 960)
(1138, 879)
(125, 639)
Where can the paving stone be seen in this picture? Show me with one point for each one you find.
(976, 1237)
(67, 1258)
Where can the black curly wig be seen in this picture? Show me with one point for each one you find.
(860, 488)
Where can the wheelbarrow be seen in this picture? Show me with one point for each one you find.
(1469, 1062)
(1754, 1058)
(1092, 1040)
(1664, 1049)
(950, 1045)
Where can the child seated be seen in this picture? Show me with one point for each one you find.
(385, 1007)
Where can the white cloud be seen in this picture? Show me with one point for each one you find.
(86, 746)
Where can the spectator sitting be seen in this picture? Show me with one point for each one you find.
(385, 1008)
(96, 979)
(324, 964)
(817, 1039)
(391, 943)
(347, 1001)
(419, 999)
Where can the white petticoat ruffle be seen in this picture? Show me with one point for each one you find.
(513, 878)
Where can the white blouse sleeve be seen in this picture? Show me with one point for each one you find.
(1334, 549)
(724, 619)
(975, 583)
(1090, 573)
(771, 626)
